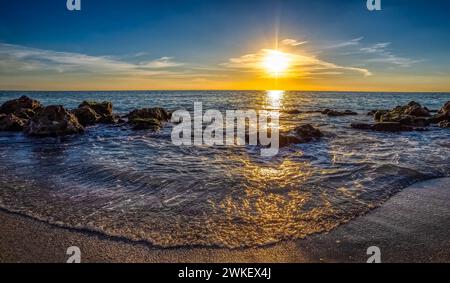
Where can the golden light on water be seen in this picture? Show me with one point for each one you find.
(276, 62)
(274, 98)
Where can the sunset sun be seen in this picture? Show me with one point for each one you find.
(276, 62)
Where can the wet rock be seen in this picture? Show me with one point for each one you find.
(103, 109)
(86, 116)
(361, 126)
(301, 134)
(146, 124)
(377, 115)
(11, 122)
(444, 124)
(23, 107)
(412, 114)
(53, 120)
(157, 113)
(445, 108)
(334, 113)
(293, 111)
(390, 127)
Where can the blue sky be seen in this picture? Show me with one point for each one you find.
(192, 43)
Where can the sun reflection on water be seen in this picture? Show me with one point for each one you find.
(274, 99)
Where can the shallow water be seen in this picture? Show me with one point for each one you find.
(138, 185)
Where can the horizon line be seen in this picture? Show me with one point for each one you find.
(204, 90)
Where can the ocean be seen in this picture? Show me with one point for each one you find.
(139, 186)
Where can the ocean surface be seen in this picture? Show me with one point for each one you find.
(138, 185)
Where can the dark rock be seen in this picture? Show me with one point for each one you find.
(23, 107)
(104, 108)
(436, 119)
(334, 113)
(301, 134)
(19, 105)
(444, 124)
(157, 113)
(146, 124)
(86, 116)
(53, 120)
(11, 122)
(391, 127)
(445, 108)
(293, 111)
(379, 113)
(361, 126)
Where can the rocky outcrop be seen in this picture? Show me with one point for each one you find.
(23, 107)
(334, 113)
(444, 124)
(301, 134)
(391, 127)
(53, 120)
(103, 109)
(148, 118)
(146, 124)
(157, 113)
(11, 122)
(86, 116)
(385, 127)
(412, 114)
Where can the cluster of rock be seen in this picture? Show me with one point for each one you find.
(31, 117)
(410, 117)
(335, 113)
(301, 134)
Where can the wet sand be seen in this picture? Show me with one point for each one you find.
(412, 226)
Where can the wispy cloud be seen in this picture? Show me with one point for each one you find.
(351, 42)
(300, 65)
(21, 59)
(381, 54)
(292, 42)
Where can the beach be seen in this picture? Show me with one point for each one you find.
(412, 226)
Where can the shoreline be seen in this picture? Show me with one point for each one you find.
(412, 226)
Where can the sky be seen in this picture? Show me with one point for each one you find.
(212, 44)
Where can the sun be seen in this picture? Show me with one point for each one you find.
(276, 62)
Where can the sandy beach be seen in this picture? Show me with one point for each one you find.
(412, 226)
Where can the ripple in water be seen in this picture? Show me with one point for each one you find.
(139, 186)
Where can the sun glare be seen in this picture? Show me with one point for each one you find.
(276, 62)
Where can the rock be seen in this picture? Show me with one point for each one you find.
(417, 110)
(23, 107)
(445, 108)
(19, 105)
(293, 111)
(361, 126)
(11, 122)
(146, 124)
(301, 134)
(390, 127)
(86, 116)
(379, 113)
(335, 113)
(104, 108)
(444, 124)
(441, 117)
(157, 113)
(53, 120)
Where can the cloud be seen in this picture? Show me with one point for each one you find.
(292, 42)
(21, 59)
(352, 42)
(300, 65)
(163, 62)
(384, 56)
(376, 48)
